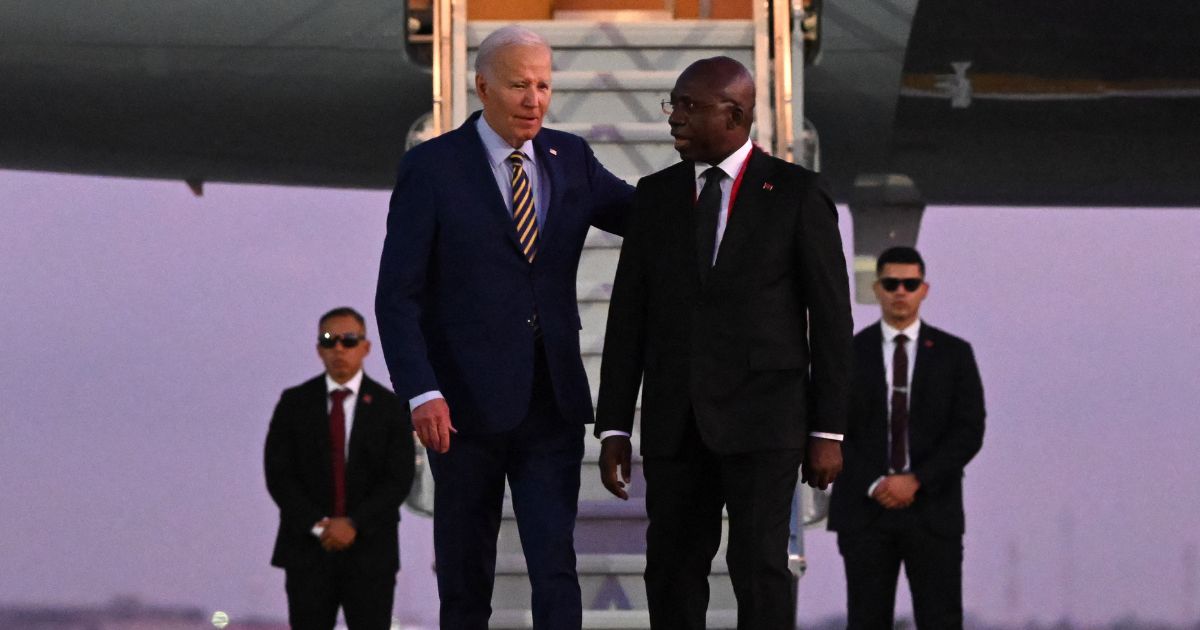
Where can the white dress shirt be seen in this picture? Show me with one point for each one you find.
(889, 353)
(730, 167)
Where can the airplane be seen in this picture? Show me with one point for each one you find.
(992, 102)
(905, 102)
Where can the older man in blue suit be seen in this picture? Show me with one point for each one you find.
(480, 327)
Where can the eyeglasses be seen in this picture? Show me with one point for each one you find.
(910, 284)
(349, 340)
(688, 107)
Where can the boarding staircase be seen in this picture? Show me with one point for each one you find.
(609, 78)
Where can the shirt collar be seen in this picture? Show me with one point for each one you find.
(497, 149)
(889, 333)
(353, 384)
(730, 165)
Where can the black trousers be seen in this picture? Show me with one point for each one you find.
(314, 594)
(932, 563)
(684, 497)
(541, 460)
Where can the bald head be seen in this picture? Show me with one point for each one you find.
(728, 78)
(713, 109)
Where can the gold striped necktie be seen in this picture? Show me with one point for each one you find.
(524, 215)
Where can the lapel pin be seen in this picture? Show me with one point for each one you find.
(553, 151)
(366, 399)
(768, 186)
(928, 343)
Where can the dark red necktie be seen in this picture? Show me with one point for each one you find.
(899, 405)
(337, 448)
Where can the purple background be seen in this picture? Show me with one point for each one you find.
(148, 333)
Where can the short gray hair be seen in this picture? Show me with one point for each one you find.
(503, 37)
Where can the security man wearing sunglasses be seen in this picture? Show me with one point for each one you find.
(339, 462)
(916, 420)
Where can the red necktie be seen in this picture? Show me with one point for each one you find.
(337, 449)
(899, 455)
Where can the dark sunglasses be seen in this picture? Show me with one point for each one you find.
(348, 340)
(910, 284)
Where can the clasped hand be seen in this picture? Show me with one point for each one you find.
(896, 491)
(339, 533)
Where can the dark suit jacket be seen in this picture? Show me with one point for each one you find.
(379, 473)
(761, 351)
(945, 430)
(456, 295)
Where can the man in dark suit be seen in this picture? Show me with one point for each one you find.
(916, 419)
(731, 300)
(480, 328)
(339, 462)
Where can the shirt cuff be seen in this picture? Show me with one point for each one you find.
(604, 434)
(828, 436)
(318, 529)
(421, 399)
(871, 488)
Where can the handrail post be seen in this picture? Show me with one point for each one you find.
(441, 66)
(781, 27)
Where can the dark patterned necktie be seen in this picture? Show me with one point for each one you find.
(524, 215)
(899, 455)
(708, 208)
(337, 448)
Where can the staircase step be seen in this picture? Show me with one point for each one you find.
(571, 34)
(606, 80)
(656, 132)
(605, 581)
(607, 525)
(599, 239)
(598, 564)
(607, 619)
(613, 81)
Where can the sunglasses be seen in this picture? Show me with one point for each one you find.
(910, 284)
(349, 340)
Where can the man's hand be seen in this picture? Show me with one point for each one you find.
(897, 491)
(431, 421)
(339, 534)
(822, 463)
(615, 452)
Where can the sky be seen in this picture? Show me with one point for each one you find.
(148, 333)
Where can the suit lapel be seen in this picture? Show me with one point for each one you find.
(316, 425)
(480, 177)
(364, 416)
(680, 193)
(871, 363)
(926, 355)
(552, 209)
(870, 370)
(752, 201)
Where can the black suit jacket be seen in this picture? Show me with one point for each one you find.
(379, 473)
(945, 430)
(761, 350)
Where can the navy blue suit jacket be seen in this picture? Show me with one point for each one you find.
(456, 295)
